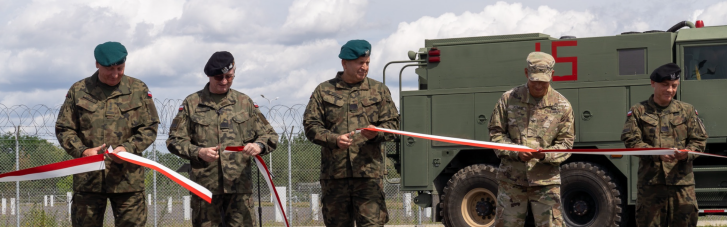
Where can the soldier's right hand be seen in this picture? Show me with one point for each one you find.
(667, 158)
(93, 151)
(344, 141)
(208, 154)
(525, 156)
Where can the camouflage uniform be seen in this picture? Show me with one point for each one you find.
(87, 119)
(666, 189)
(519, 119)
(235, 121)
(351, 178)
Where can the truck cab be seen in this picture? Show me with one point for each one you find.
(461, 79)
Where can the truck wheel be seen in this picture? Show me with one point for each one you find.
(470, 197)
(590, 196)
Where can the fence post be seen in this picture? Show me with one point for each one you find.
(17, 183)
(154, 152)
(290, 178)
(314, 206)
(69, 198)
(407, 204)
(187, 207)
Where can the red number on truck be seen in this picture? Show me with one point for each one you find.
(572, 60)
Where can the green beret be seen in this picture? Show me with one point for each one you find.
(354, 49)
(110, 54)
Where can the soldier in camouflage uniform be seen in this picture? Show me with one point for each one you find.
(108, 109)
(536, 116)
(208, 121)
(666, 194)
(351, 164)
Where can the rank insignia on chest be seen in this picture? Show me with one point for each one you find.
(148, 94)
(629, 113)
(181, 107)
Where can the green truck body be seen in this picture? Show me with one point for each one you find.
(602, 77)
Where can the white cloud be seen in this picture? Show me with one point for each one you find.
(324, 16)
(713, 15)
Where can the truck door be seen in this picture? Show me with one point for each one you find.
(704, 79)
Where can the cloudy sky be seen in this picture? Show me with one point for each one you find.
(283, 48)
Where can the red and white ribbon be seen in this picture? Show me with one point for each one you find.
(58, 169)
(520, 148)
(190, 185)
(266, 175)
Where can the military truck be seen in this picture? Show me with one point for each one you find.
(461, 79)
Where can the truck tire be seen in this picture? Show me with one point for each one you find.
(590, 196)
(470, 197)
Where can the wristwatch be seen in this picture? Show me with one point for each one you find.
(262, 146)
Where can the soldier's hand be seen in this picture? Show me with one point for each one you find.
(525, 156)
(208, 154)
(251, 149)
(667, 158)
(117, 150)
(344, 141)
(368, 133)
(539, 155)
(680, 155)
(93, 151)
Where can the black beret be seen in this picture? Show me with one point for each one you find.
(670, 71)
(219, 63)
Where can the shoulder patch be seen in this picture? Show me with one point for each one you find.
(181, 107)
(696, 112)
(148, 93)
(629, 113)
(256, 106)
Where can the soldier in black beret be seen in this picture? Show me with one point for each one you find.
(666, 195)
(208, 121)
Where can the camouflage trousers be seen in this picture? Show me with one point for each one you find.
(89, 208)
(513, 200)
(666, 205)
(233, 209)
(354, 199)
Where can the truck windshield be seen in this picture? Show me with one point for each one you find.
(705, 62)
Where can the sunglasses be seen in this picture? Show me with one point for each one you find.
(220, 77)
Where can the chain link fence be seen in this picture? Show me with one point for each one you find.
(27, 139)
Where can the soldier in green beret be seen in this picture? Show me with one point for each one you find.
(666, 195)
(351, 164)
(208, 121)
(108, 109)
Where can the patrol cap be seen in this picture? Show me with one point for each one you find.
(110, 54)
(354, 49)
(220, 63)
(669, 71)
(540, 66)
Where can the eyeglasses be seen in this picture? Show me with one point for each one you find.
(220, 77)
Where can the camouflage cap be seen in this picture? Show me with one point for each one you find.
(110, 54)
(540, 66)
(354, 49)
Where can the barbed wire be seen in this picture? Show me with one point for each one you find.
(40, 120)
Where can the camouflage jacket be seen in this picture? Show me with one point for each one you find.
(126, 118)
(336, 108)
(676, 126)
(519, 119)
(235, 121)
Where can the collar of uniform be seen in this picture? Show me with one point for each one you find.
(205, 98)
(671, 108)
(364, 85)
(93, 87)
(549, 99)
